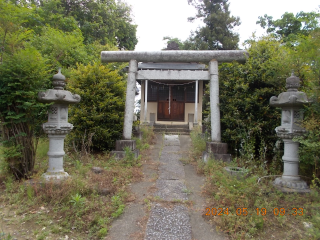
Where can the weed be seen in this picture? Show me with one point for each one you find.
(78, 164)
(102, 232)
(77, 200)
(118, 205)
(198, 142)
(4, 236)
(9, 182)
(42, 236)
(148, 203)
(187, 191)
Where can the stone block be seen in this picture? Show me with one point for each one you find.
(121, 144)
(190, 117)
(121, 154)
(217, 147)
(221, 157)
(152, 119)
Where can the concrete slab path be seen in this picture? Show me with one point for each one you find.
(159, 211)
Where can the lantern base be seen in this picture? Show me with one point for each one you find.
(286, 185)
(55, 176)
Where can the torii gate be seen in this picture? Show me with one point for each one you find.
(211, 57)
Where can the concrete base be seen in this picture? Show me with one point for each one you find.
(217, 147)
(122, 144)
(286, 185)
(217, 151)
(55, 176)
(239, 173)
(121, 154)
(222, 157)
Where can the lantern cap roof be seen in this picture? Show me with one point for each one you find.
(58, 80)
(292, 83)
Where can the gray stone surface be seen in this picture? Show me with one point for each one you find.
(168, 224)
(170, 184)
(175, 56)
(171, 140)
(171, 171)
(170, 156)
(171, 149)
(130, 94)
(171, 190)
(214, 102)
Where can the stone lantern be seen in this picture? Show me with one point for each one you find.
(57, 126)
(291, 102)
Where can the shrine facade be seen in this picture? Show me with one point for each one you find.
(171, 92)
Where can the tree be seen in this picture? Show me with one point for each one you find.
(22, 76)
(217, 34)
(290, 26)
(306, 59)
(173, 43)
(105, 21)
(64, 49)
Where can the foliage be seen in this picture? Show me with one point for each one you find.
(290, 26)
(22, 75)
(174, 42)
(217, 34)
(306, 58)
(11, 34)
(64, 49)
(101, 108)
(39, 35)
(249, 123)
(106, 21)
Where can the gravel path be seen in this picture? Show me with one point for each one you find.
(164, 223)
(158, 211)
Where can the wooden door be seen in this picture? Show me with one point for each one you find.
(171, 103)
(177, 103)
(163, 103)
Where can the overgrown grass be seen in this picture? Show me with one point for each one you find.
(245, 208)
(147, 137)
(84, 205)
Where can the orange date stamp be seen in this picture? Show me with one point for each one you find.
(257, 211)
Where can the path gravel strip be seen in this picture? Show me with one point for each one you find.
(164, 223)
(169, 224)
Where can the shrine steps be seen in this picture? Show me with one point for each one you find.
(171, 129)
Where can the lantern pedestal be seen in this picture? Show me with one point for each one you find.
(290, 181)
(55, 170)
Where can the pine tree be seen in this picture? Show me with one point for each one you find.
(217, 33)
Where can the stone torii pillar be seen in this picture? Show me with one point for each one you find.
(215, 147)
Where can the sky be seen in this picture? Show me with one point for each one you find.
(159, 18)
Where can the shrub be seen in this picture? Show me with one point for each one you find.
(101, 109)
